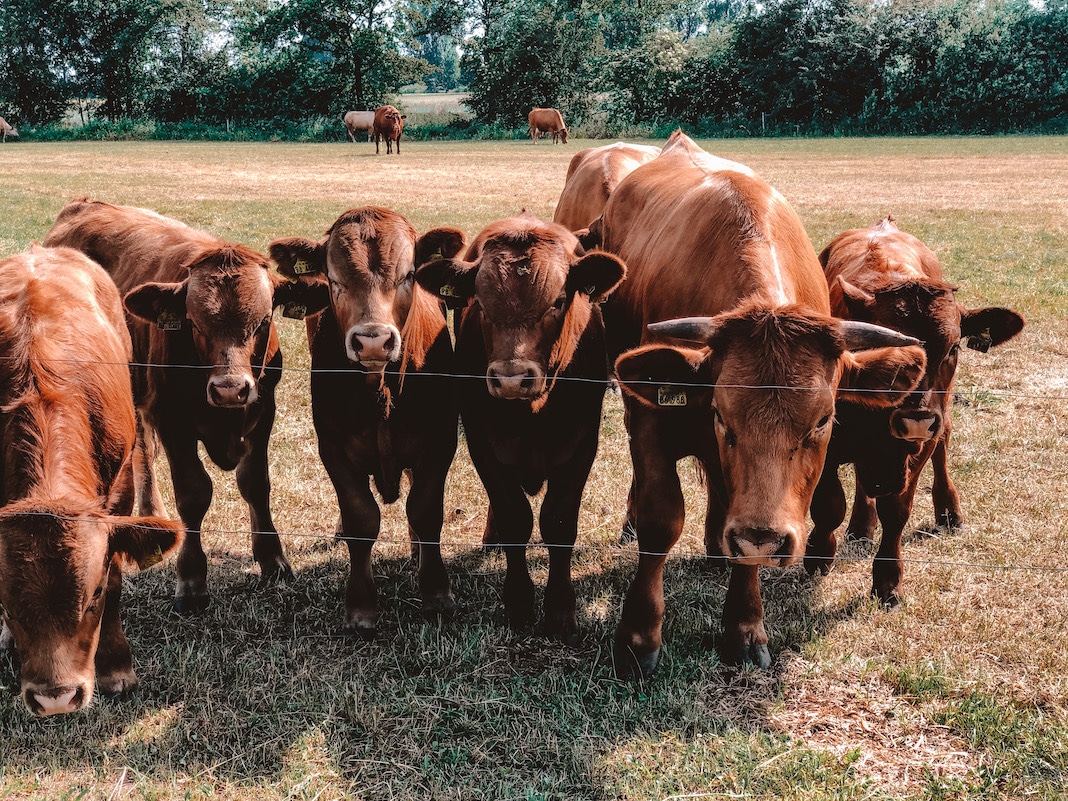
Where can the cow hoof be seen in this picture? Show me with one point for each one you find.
(889, 601)
(279, 573)
(491, 548)
(439, 610)
(364, 633)
(950, 521)
(563, 632)
(628, 534)
(191, 604)
(819, 565)
(754, 654)
(631, 667)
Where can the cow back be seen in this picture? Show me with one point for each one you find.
(592, 176)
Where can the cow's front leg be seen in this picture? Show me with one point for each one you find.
(515, 522)
(944, 491)
(887, 571)
(745, 642)
(114, 663)
(828, 509)
(425, 508)
(254, 483)
(192, 495)
(863, 518)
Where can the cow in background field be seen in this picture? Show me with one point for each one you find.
(200, 313)
(885, 276)
(382, 400)
(67, 482)
(547, 120)
(533, 329)
(592, 176)
(7, 130)
(708, 241)
(359, 121)
(388, 125)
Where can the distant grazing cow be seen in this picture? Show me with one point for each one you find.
(200, 312)
(705, 236)
(882, 275)
(67, 482)
(547, 120)
(382, 401)
(592, 176)
(359, 121)
(7, 130)
(533, 329)
(388, 125)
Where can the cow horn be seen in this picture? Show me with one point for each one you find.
(866, 336)
(691, 329)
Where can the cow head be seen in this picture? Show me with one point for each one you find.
(563, 132)
(56, 565)
(534, 286)
(769, 379)
(227, 301)
(928, 311)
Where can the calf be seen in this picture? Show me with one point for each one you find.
(533, 329)
(547, 120)
(388, 125)
(885, 276)
(67, 483)
(381, 397)
(200, 313)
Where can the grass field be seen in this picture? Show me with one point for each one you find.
(962, 693)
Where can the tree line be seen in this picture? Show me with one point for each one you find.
(716, 66)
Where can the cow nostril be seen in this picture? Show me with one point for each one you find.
(242, 392)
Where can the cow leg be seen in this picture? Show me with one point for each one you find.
(715, 520)
(559, 529)
(146, 450)
(192, 494)
(944, 491)
(863, 518)
(660, 515)
(894, 510)
(745, 642)
(398, 145)
(491, 540)
(114, 663)
(828, 509)
(425, 508)
(376, 143)
(254, 483)
(629, 533)
(360, 523)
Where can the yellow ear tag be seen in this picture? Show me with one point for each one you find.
(447, 291)
(295, 311)
(169, 321)
(301, 267)
(152, 559)
(669, 396)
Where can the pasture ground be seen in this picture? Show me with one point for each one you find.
(962, 693)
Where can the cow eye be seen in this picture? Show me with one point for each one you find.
(729, 439)
(560, 303)
(823, 421)
(407, 279)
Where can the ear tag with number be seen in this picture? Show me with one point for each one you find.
(295, 311)
(670, 396)
(447, 291)
(301, 267)
(981, 342)
(590, 290)
(169, 321)
(151, 559)
(523, 269)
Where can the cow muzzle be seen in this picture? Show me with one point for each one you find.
(46, 701)
(373, 345)
(762, 546)
(231, 391)
(515, 379)
(916, 425)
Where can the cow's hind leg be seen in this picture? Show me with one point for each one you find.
(254, 483)
(863, 518)
(192, 495)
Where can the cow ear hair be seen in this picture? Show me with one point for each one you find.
(596, 274)
(856, 299)
(301, 297)
(144, 541)
(441, 242)
(452, 280)
(297, 257)
(881, 378)
(662, 376)
(989, 326)
(158, 303)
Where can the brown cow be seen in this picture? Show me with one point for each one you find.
(7, 130)
(547, 120)
(381, 397)
(706, 236)
(359, 121)
(592, 176)
(533, 329)
(388, 125)
(200, 313)
(885, 276)
(68, 424)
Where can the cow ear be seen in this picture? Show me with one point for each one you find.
(162, 304)
(301, 297)
(442, 243)
(663, 376)
(451, 280)
(591, 237)
(596, 275)
(856, 299)
(297, 257)
(144, 541)
(990, 326)
(880, 378)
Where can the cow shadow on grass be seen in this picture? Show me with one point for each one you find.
(262, 689)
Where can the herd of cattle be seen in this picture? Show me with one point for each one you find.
(387, 123)
(684, 275)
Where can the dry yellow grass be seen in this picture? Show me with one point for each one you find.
(861, 703)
